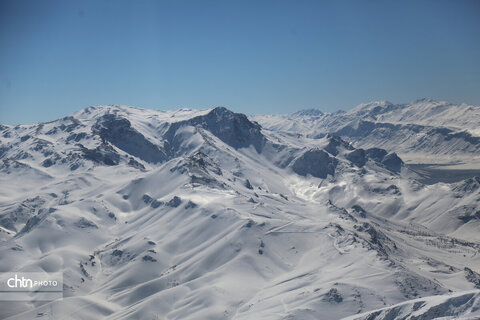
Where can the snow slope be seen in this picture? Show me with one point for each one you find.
(193, 214)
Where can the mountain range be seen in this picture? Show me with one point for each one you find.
(212, 214)
(422, 132)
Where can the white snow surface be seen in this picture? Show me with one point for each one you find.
(191, 214)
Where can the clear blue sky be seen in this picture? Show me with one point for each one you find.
(251, 56)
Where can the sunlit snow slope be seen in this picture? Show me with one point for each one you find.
(193, 214)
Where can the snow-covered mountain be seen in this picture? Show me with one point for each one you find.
(425, 131)
(207, 214)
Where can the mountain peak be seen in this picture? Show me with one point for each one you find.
(221, 109)
(308, 113)
(235, 129)
(92, 112)
(372, 105)
(424, 100)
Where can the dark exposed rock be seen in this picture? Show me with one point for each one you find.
(376, 154)
(174, 202)
(69, 127)
(378, 240)
(190, 205)
(334, 142)
(466, 213)
(103, 154)
(147, 199)
(44, 146)
(467, 186)
(21, 155)
(152, 202)
(3, 150)
(357, 157)
(85, 223)
(25, 138)
(333, 296)
(342, 212)
(48, 162)
(148, 258)
(392, 162)
(117, 253)
(21, 214)
(316, 163)
(134, 163)
(31, 223)
(472, 277)
(119, 132)
(249, 224)
(198, 164)
(359, 210)
(391, 189)
(77, 137)
(202, 170)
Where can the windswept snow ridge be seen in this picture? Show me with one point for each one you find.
(206, 214)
